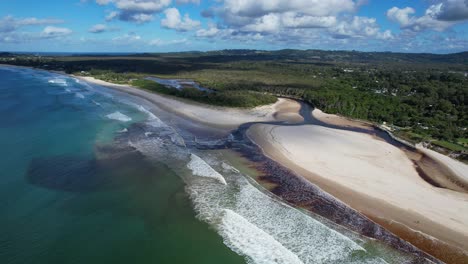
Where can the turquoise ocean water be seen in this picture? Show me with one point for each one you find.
(91, 175)
(61, 204)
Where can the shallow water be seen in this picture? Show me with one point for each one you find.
(106, 177)
(68, 200)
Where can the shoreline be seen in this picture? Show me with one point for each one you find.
(214, 116)
(397, 210)
(224, 118)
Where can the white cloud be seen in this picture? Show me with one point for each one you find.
(9, 23)
(173, 20)
(55, 32)
(99, 28)
(207, 33)
(260, 8)
(112, 15)
(292, 21)
(160, 42)
(180, 2)
(437, 17)
(357, 27)
(128, 38)
(139, 11)
(401, 16)
(452, 10)
(270, 23)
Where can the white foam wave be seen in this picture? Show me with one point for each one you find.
(200, 168)
(228, 167)
(248, 240)
(119, 116)
(124, 130)
(79, 95)
(310, 240)
(154, 121)
(59, 81)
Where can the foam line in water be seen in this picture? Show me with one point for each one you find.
(79, 95)
(119, 116)
(248, 240)
(154, 121)
(200, 168)
(228, 167)
(58, 81)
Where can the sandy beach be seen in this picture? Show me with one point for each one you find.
(219, 117)
(372, 176)
(337, 120)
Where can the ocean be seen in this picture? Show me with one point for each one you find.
(92, 175)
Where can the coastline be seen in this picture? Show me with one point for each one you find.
(345, 164)
(283, 110)
(218, 117)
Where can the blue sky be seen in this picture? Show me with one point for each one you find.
(439, 26)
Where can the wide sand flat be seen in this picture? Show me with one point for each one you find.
(372, 176)
(221, 117)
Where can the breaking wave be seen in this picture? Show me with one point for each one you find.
(153, 120)
(248, 240)
(200, 168)
(254, 223)
(119, 116)
(58, 81)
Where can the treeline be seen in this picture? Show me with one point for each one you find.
(238, 98)
(425, 94)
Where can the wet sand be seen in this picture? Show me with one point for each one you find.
(375, 178)
(377, 208)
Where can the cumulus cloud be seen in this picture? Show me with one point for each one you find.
(211, 31)
(10, 24)
(173, 20)
(55, 32)
(138, 11)
(452, 10)
(438, 17)
(358, 27)
(291, 20)
(401, 15)
(260, 8)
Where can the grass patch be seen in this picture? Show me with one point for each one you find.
(448, 145)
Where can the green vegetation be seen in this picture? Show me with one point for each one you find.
(463, 142)
(425, 95)
(239, 98)
(448, 145)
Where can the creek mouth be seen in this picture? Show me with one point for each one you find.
(297, 191)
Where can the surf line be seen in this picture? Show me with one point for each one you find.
(299, 192)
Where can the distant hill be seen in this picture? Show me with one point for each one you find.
(320, 55)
